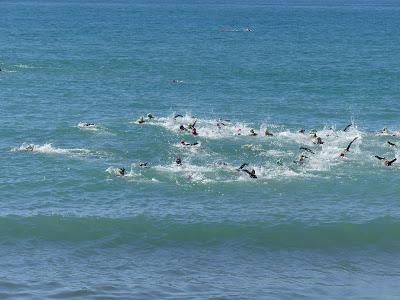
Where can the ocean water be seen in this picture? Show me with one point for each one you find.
(328, 228)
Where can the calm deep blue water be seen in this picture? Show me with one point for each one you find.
(327, 228)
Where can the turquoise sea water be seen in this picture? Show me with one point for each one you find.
(325, 229)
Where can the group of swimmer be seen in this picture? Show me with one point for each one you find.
(191, 129)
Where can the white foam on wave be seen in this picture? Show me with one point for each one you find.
(49, 149)
(23, 66)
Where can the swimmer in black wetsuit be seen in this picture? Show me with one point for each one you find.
(252, 133)
(342, 154)
(189, 144)
(386, 162)
(318, 141)
(194, 131)
(347, 127)
(268, 133)
(301, 159)
(178, 161)
(307, 149)
(392, 144)
(30, 148)
(120, 171)
(182, 128)
(177, 116)
(251, 173)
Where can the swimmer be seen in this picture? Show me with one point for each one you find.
(194, 131)
(178, 161)
(239, 131)
(251, 173)
(177, 116)
(318, 141)
(219, 124)
(88, 125)
(301, 130)
(189, 144)
(313, 134)
(301, 159)
(267, 133)
(191, 126)
(150, 116)
(30, 147)
(143, 165)
(247, 29)
(120, 171)
(182, 128)
(141, 120)
(242, 166)
(307, 149)
(333, 132)
(384, 131)
(386, 162)
(252, 132)
(347, 127)
(342, 154)
(392, 144)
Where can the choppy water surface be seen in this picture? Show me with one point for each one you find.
(70, 227)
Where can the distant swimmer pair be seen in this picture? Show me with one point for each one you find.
(122, 171)
(141, 120)
(266, 133)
